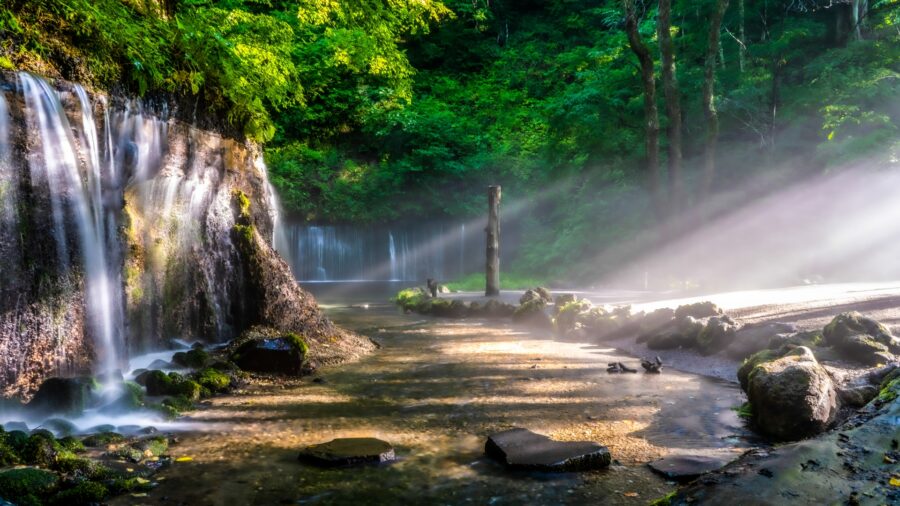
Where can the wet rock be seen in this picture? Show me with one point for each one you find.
(684, 468)
(11, 426)
(522, 449)
(348, 452)
(536, 294)
(267, 352)
(792, 397)
(195, 358)
(59, 426)
(753, 338)
(856, 396)
(698, 310)
(63, 395)
(532, 313)
(160, 365)
(717, 335)
(861, 338)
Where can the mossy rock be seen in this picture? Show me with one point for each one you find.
(698, 310)
(63, 395)
(532, 313)
(213, 380)
(59, 426)
(269, 351)
(152, 447)
(412, 299)
(27, 486)
(193, 359)
(71, 443)
(8, 455)
(40, 450)
(717, 335)
(751, 362)
(16, 439)
(103, 439)
(160, 383)
(131, 399)
(84, 493)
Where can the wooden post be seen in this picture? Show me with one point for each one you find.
(492, 267)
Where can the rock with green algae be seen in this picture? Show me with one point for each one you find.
(718, 334)
(792, 397)
(213, 380)
(861, 339)
(174, 384)
(63, 395)
(27, 486)
(84, 493)
(533, 313)
(193, 359)
(266, 350)
(103, 439)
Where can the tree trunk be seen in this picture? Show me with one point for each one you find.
(492, 267)
(673, 106)
(651, 115)
(856, 19)
(709, 105)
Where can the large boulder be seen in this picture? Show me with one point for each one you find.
(63, 395)
(533, 313)
(717, 335)
(539, 293)
(698, 310)
(792, 397)
(681, 332)
(268, 351)
(861, 339)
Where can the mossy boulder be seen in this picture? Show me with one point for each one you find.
(159, 383)
(447, 308)
(213, 380)
(493, 308)
(193, 359)
(84, 493)
(698, 310)
(650, 324)
(63, 395)
(680, 332)
(412, 299)
(861, 339)
(270, 351)
(571, 315)
(103, 439)
(532, 313)
(534, 294)
(718, 334)
(59, 426)
(792, 397)
(27, 486)
(743, 373)
(40, 450)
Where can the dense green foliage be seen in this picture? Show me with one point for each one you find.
(379, 110)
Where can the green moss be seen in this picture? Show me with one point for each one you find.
(412, 299)
(71, 444)
(152, 447)
(890, 391)
(178, 404)
(243, 205)
(27, 485)
(122, 485)
(297, 342)
(103, 439)
(16, 439)
(195, 359)
(189, 389)
(665, 500)
(751, 362)
(744, 411)
(40, 450)
(216, 381)
(84, 493)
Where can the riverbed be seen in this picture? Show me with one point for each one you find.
(436, 389)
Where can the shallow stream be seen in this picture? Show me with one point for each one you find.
(435, 390)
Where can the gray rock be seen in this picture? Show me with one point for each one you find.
(698, 310)
(348, 452)
(522, 449)
(687, 467)
(756, 337)
(792, 397)
(861, 339)
(717, 335)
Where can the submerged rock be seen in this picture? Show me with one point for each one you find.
(687, 467)
(792, 397)
(348, 452)
(522, 449)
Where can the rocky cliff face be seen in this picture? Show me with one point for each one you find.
(122, 227)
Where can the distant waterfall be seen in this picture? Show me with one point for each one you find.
(318, 253)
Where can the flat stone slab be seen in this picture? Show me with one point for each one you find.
(348, 452)
(522, 449)
(687, 467)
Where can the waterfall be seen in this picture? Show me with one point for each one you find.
(344, 252)
(7, 177)
(392, 251)
(58, 167)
